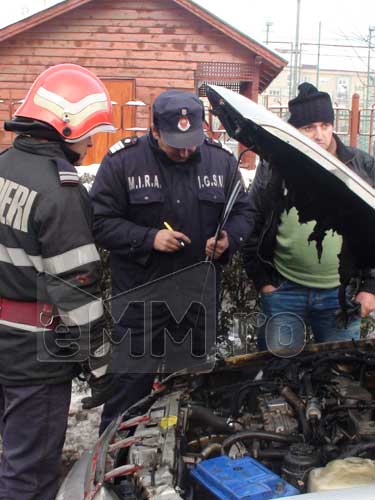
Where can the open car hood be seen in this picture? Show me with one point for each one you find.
(320, 186)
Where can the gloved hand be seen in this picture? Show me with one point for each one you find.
(102, 389)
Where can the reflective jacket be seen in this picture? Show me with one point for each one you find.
(47, 255)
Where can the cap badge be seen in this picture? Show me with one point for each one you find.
(183, 124)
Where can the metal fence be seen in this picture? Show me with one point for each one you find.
(366, 130)
(355, 125)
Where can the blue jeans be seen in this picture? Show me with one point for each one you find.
(291, 307)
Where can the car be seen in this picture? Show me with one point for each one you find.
(258, 425)
(282, 425)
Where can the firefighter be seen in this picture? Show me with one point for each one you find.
(51, 314)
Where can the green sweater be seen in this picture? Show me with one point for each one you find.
(297, 260)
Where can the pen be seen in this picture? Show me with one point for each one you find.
(171, 229)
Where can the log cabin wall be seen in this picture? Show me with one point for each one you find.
(151, 45)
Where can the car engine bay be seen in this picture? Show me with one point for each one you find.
(282, 420)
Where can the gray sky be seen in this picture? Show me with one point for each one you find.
(343, 22)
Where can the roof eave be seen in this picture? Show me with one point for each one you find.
(39, 18)
(251, 44)
(269, 57)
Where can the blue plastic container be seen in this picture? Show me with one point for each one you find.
(241, 479)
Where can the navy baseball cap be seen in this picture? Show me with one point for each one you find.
(179, 118)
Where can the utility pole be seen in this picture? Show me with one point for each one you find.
(318, 60)
(268, 26)
(371, 29)
(296, 47)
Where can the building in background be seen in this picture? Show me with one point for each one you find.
(341, 84)
(139, 49)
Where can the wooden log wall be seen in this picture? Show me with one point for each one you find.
(155, 42)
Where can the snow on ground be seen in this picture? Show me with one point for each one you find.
(247, 175)
(82, 432)
(88, 169)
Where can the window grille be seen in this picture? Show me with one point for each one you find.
(228, 75)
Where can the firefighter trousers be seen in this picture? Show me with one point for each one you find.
(33, 422)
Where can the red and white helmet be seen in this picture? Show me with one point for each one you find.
(72, 100)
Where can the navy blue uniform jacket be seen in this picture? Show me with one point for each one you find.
(137, 188)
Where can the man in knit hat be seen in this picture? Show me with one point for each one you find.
(285, 268)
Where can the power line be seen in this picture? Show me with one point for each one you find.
(326, 44)
(325, 54)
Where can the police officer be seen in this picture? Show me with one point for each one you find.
(51, 314)
(174, 175)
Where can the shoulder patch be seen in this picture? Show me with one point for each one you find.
(66, 172)
(218, 144)
(122, 144)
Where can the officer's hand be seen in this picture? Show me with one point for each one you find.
(102, 389)
(268, 289)
(367, 301)
(170, 241)
(221, 246)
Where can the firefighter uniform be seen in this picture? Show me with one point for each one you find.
(51, 314)
(139, 187)
(47, 256)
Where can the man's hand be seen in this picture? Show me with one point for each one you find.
(221, 246)
(170, 241)
(367, 301)
(268, 289)
(102, 390)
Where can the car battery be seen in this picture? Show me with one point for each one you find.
(240, 479)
